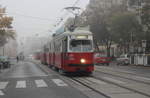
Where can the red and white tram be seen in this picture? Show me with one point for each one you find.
(72, 52)
(43, 56)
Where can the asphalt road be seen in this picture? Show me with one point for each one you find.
(33, 80)
(28, 80)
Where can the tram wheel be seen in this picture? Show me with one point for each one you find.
(54, 68)
(89, 73)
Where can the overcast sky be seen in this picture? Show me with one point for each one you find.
(33, 17)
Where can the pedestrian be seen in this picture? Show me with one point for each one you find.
(17, 59)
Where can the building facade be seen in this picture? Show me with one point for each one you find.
(9, 49)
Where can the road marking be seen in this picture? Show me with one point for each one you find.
(1, 93)
(28, 76)
(138, 77)
(114, 80)
(21, 84)
(130, 72)
(96, 81)
(3, 85)
(59, 82)
(40, 83)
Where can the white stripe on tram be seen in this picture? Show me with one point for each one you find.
(1, 93)
(21, 84)
(40, 83)
(114, 80)
(3, 85)
(59, 82)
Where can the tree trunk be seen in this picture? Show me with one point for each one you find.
(108, 48)
(108, 52)
(96, 45)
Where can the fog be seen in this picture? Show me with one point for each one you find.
(36, 18)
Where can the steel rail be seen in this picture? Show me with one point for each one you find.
(90, 87)
(125, 87)
(139, 81)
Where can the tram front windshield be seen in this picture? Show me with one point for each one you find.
(81, 45)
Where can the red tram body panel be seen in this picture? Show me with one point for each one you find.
(36, 55)
(73, 62)
(47, 58)
(43, 58)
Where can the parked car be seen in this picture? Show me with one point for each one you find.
(5, 63)
(123, 59)
(101, 58)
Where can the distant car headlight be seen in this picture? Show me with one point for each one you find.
(82, 60)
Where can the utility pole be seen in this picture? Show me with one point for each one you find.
(4, 50)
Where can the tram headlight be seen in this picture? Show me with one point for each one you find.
(82, 60)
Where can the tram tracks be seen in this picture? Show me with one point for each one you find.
(87, 83)
(90, 87)
(103, 87)
(128, 76)
(125, 87)
(102, 91)
(140, 90)
(144, 82)
(90, 84)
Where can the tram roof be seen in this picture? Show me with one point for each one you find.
(76, 32)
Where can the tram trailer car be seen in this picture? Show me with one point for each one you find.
(51, 55)
(48, 58)
(36, 56)
(73, 52)
(47, 54)
(43, 56)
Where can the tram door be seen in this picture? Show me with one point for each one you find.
(132, 59)
(64, 50)
(148, 60)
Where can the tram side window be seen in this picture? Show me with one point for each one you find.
(57, 47)
(64, 45)
(50, 47)
(45, 50)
